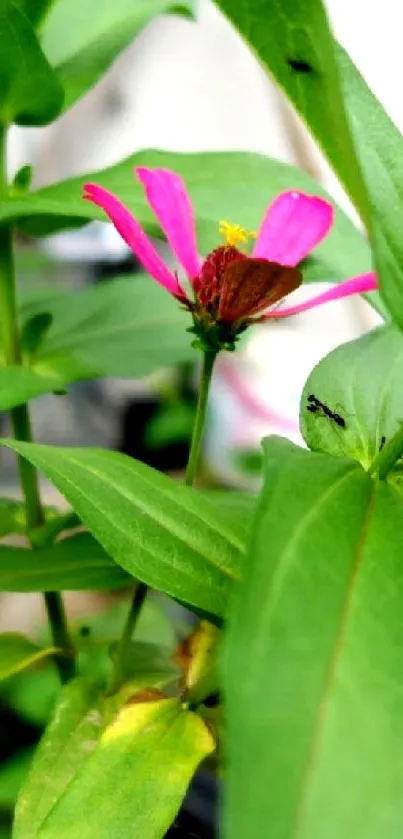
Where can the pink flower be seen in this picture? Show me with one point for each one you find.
(230, 289)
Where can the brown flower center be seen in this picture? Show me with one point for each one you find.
(232, 287)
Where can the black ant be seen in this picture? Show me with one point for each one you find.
(299, 65)
(315, 406)
(382, 443)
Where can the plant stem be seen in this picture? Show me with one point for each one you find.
(21, 424)
(137, 603)
(141, 591)
(209, 358)
(60, 635)
(387, 457)
(134, 614)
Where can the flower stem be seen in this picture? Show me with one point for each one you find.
(141, 591)
(209, 358)
(387, 457)
(21, 425)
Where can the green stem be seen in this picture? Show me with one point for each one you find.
(20, 421)
(142, 589)
(139, 597)
(65, 661)
(123, 645)
(21, 425)
(387, 457)
(209, 358)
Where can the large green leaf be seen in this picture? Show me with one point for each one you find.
(360, 382)
(82, 43)
(19, 384)
(361, 143)
(313, 667)
(30, 93)
(17, 653)
(68, 741)
(159, 531)
(236, 186)
(127, 327)
(13, 771)
(35, 10)
(236, 507)
(134, 782)
(379, 146)
(78, 563)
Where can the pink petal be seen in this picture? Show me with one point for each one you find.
(167, 196)
(293, 225)
(357, 285)
(252, 404)
(130, 230)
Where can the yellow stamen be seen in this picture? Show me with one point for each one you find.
(233, 233)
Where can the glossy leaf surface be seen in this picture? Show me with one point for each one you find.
(127, 327)
(19, 384)
(313, 664)
(74, 564)
(359, 382)
(153, 749)
(30, 93)
(162, 533)
(362, 144)
(34, 10)
(17, 653)
(68, 741)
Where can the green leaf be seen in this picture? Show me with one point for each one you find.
(34, 10)
(33, 693)
(13, 519)
(313, 670)
(33, 333)
(82, 45)
(22, 180)
(299, 32)
(153, 627)
(12, 516)
(30, 93)
(162, 533)
(361, 143)
(17, 653)
(379, 146)
(55, 524)
(145, 663)
(75, 564)
(135, 781)
(359, 381)
(127, 327)
(149, 663)
(237, 508)
(12, 774)
(233, 185)
(68, 741)
(19, 384)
